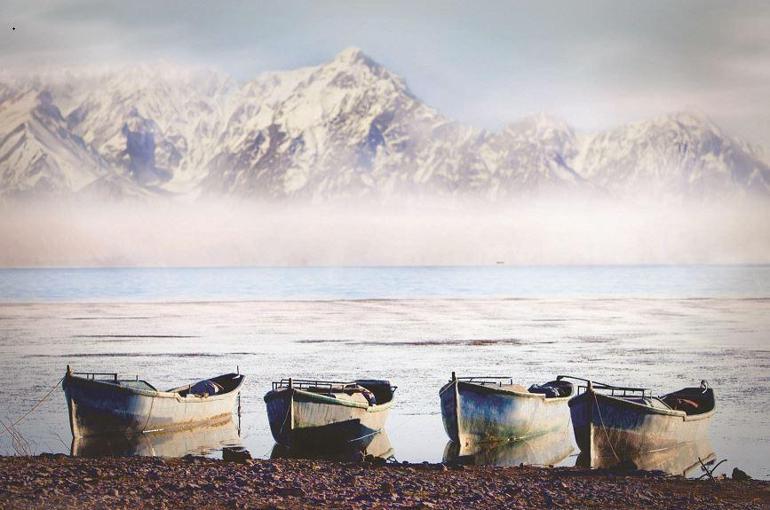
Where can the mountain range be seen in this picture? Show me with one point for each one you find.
(346, 129)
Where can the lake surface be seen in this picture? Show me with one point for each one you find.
(661, 327)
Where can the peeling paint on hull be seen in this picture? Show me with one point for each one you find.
(303, 418)
(474, 413)
(611, 427)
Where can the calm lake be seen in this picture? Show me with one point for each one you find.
(662, 327)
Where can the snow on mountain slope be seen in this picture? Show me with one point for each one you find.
(677, 154)
(344, 129)
(185, 108)
(319, 132)
(350, 128)
(38, 154)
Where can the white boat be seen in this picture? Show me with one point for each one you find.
(102, 403)
(492, 409)
(327, 413)
(623, 422)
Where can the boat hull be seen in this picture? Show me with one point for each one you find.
(304, 419)
(610, 427)
(545, 450)
(682, 460)
(196, 441)
(474, 413)
(99, 408)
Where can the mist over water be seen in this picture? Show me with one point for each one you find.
(392, 232)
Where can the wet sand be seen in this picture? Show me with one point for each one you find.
(60, 481)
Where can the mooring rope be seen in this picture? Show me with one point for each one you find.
(13, 425)
(604, 428)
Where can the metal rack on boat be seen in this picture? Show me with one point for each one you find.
(486, 380)
(93, 376)
(611, 390)
(312, 384)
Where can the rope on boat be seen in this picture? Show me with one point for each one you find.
(13, 425)
(605, 428)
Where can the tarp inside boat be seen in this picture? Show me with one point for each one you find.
(553, 389)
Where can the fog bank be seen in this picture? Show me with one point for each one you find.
(225, 233)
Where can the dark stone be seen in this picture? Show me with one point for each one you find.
(235, 454)
(291, 491)
(740, 475)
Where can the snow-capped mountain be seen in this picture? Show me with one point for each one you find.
(676, 154)
(38, 153)
(344, 129)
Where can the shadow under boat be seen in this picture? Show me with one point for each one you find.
(375, 445)
(545, 450)
(683, 459)
(195, 441)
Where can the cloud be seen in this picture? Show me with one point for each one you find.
(432, 232)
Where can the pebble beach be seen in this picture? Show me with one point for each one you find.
(61, 481)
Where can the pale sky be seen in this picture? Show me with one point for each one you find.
(596, 64)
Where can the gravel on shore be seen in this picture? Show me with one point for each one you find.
(60, 481)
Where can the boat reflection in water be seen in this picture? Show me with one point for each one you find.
(545, 450)
(678, 460)
(195, 441)
(375, 445)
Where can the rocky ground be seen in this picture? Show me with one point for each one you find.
(59, 481)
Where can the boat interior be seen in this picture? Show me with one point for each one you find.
(692, 401)
(366, 391)
(551, 389)
(216, 385)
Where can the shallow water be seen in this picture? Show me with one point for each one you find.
(668, 339)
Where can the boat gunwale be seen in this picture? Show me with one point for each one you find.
(646, 408)
(191, 399)
(502, 391)
(272, 394)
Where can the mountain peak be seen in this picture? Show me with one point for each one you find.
(353, 55)
(687, 119)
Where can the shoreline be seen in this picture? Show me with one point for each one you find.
(61, 481)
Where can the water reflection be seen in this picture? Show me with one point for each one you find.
(680, 460)
(377, 445)
(197, 441)
(546, 450)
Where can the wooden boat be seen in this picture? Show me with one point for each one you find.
(490, 409)
(101, 403)
(326, 413)
(623, 422)
(547, 449)
(202, 440)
